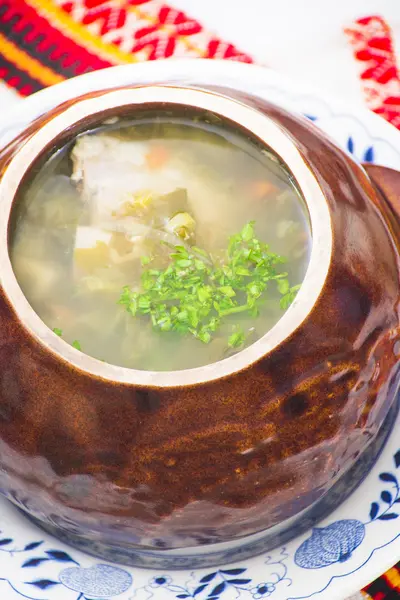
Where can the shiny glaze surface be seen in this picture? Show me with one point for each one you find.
(184, 466)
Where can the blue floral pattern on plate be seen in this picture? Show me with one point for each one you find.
(360, 539)
(331, 544)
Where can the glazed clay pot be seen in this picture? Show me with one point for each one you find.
(145, 467)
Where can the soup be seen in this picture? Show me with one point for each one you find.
(164, 242)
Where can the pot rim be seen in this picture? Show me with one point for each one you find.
(247, 118)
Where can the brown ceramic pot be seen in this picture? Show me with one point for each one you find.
(141, 462)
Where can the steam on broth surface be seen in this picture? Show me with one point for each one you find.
(165, 242)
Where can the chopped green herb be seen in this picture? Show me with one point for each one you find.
(288, 298)
(75, 344)
(283, 286)
(237, 338)
(193, 294)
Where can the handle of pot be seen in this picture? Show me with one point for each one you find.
(387, 181)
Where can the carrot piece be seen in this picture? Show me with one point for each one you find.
(260, 188)
(157, 157)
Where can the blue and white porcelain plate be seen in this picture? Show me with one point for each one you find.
(354, 544)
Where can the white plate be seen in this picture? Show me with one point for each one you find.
(355, 544)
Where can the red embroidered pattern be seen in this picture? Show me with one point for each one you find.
(150, 26)
(43, 42)
(373, 46)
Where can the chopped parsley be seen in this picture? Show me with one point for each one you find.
(193, 294)
(75, 344)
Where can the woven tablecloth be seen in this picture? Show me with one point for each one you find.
(43, 42)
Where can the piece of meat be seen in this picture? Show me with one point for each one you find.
(110, 171)
(91, 249)
(113, 173)
(97, 248)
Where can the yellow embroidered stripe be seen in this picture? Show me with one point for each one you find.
(27, 63)
(80, 33)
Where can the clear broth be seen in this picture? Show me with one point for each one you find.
(73, 249)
